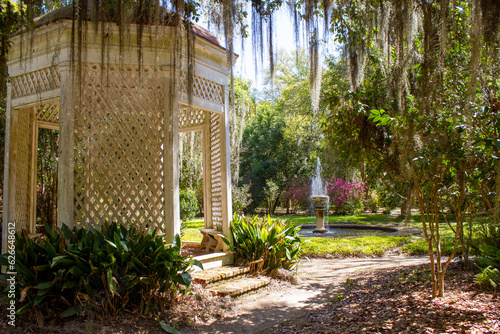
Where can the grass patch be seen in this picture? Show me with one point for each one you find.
(351, 247)
(418, 245)
(191, 230)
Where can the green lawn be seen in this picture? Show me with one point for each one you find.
(191, 230)
(349, 247)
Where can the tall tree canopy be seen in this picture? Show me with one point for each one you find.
(423, 92)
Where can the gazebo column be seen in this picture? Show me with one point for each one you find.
(227, 203)
(9, 177)
(65, 190)
(207, 172)
(172, 221)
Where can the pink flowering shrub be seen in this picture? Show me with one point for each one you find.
(298, 193)
(346, 197)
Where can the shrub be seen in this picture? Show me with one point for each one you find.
(488, 243)
(372, 201)
(241, 198)
(106, 270)
(188, 204)
(276, 241)
(298, 193)
(346, 197)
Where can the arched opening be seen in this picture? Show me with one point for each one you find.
(47, 157)
(191, 194)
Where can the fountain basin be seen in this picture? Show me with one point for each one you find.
(346, 230)
(319, 198)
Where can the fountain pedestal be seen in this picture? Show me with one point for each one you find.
(320, 213)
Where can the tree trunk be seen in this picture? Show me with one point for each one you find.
(409, 200)
(497, 187)
(429, 237)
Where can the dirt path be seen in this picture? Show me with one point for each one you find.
(282, 302)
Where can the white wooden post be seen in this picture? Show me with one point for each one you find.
(172, 219)
(227, 203)
(207, 174)
(9, 177)
(66, 184)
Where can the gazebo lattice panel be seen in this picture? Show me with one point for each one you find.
(216, 169)
(120, 141)
(48, 113)
(36, 82)
(189, 117)
(23, 162)
(119, 138)
(203, 88)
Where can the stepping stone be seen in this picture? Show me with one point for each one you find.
(239, 286)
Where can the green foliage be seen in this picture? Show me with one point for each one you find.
(188, 204)
(372, 201)
(272, 193)
(265, 152)
(276, 241)
(241, 198)
(283, 139)
(389, 198)
(106, 270)
(488, 243)
(244, 110)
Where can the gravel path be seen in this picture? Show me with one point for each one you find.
(280, 302)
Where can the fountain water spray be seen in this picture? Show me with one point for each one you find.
(319, 196)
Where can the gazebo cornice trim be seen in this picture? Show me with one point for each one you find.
(66, 13)
(198, 102)
(201, 45)
(36, 99)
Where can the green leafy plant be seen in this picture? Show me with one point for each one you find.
(107, 270)
(275, 241)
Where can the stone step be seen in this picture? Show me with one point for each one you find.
(238, 286)
(217, 274)
(214, 260)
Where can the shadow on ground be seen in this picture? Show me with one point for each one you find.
(281, 302)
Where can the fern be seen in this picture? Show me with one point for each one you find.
(488, 275)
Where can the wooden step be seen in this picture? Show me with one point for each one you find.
(217, 274)
(236, 287)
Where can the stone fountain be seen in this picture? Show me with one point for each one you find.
(320, 198)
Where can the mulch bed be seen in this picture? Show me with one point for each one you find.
(199, 306)
(378, 301)
(399, 301)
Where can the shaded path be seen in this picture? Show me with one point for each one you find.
(283, 302)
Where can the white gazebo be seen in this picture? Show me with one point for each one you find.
(119, 116)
